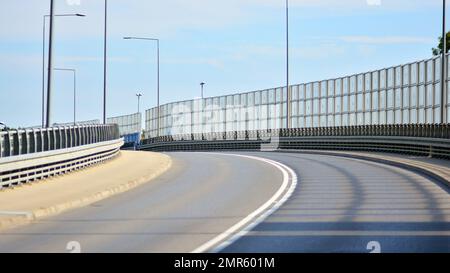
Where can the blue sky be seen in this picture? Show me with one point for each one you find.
(233, 46)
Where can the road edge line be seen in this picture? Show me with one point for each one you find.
(245, 225)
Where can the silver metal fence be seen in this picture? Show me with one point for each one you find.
(33, 154)
(404, 94)
(29, 141)
(426, 140)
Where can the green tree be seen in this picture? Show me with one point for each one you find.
(438, 51)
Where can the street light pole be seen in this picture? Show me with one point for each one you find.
(443, 67)
(202, 84)
(158, 74)
(104, 61)
(158, 80)
(288, 95)
(139, 95)
(74, 92)
(43, 57)
(50, 65)
(43, 74)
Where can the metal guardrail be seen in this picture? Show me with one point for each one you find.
(28, 141)
(29, 155)
(428, 140)
(408, 130)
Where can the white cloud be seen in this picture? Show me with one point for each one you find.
(373, 2)
(319, 51)
(387, 4)
(386, 39)
(32, 61)
(366, 50)
(161, 18)
(212, 62)
(126, 17)
(248, 51)
(92, 59)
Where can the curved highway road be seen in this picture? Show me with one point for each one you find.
(350, 205)
(339, 205)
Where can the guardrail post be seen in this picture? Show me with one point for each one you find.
(83, 135)
(103, 134)
(80, 136)
(15, 143)
(96, 134)
(45, 140)
(66, 137)
(88, 134)
(99, 134)
(107, 133)
(435, 130)
(52, 141)
(95, 128)
(58, 138)
(38, 140)
(7, 139)
(33, 141)
(73, 137)
(62, 137)
(25, 142)
(1, 144)
(69, 136)
(92, 132)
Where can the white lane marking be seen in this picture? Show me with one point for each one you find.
(253, 219)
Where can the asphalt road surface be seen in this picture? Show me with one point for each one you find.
(339, 205)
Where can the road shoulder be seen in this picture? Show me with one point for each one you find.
(437, 169)
(28, 202)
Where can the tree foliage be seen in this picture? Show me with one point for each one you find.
(438, 51)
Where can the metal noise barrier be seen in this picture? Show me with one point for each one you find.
(425, 139)
(32, 154)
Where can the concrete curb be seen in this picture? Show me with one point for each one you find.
(9, 222)
(441, 180)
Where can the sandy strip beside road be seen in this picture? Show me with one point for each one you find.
(49, 197)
